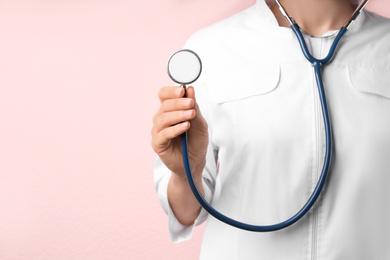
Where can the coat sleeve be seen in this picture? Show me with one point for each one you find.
(162, 174)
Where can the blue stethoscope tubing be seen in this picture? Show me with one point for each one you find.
(317, 64)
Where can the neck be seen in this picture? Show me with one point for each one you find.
(315, 17)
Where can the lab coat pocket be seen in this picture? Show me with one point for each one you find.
(370, 81)
(245, 82)
(367, 110)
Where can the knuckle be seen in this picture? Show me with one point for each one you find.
(161, 119)
(154, 142)
(163, 92)
(165, 105)
(164, 134)
(179, 102)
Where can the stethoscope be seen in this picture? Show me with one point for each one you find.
(185, 66)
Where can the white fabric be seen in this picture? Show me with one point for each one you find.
(259, 97)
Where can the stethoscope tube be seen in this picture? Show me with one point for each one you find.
(309, 57)
(317, 64)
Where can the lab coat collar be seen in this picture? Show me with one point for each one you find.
(271, 2)
(263, 12)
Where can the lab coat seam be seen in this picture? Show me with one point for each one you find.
(295, 62)
(320, 229)
(370, 89)
(273, 76)
(316, 167)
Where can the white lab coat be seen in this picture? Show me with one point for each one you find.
(259, 97)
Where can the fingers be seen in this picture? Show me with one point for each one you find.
(171, 120)
(170, 93)
(173, 131)
(168, 119)
(162, 139)
(169, 105)
(172, 104)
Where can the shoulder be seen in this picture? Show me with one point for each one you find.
(222, 45)
(373, 19)
(366, 53)
(220, 31)
(367, 42)
(375, 28)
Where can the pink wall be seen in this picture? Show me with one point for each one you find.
(78, 89)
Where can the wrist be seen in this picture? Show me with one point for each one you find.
(181, 179)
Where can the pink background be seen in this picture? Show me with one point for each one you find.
(78, 90)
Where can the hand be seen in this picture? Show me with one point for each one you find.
(175, 116)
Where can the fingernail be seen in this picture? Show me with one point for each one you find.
(186, 101)
(188, 112)
(178, 91)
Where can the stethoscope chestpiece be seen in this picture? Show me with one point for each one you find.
(184, 67)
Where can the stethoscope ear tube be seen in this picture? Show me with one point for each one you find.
(328, 153)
